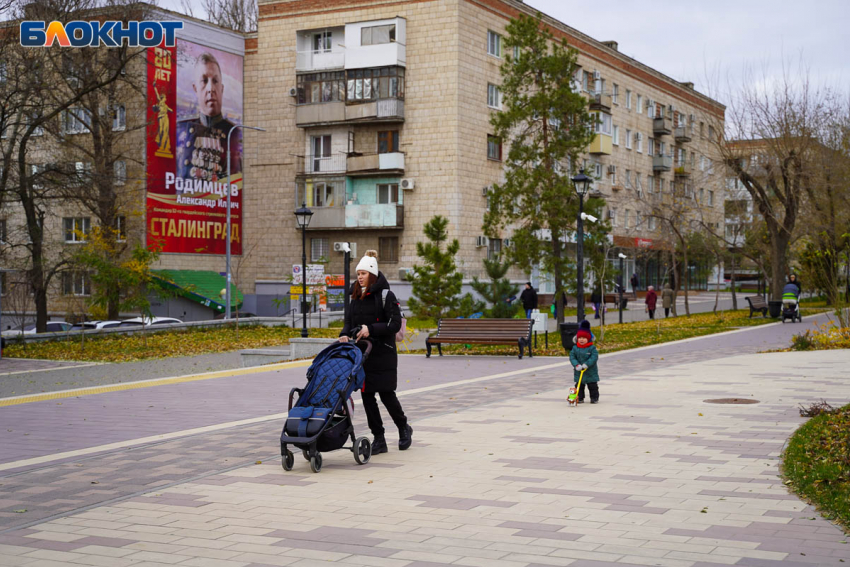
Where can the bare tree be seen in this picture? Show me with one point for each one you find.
(238, 15)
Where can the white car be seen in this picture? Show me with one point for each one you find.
(52, 327)
(149, 322)
(88, 325)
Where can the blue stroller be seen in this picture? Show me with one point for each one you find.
(319, 419)
(791, 303)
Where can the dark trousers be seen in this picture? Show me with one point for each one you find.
(373, 414)
(666, 311)
(594, 390)
(651, 313)
(597, 310)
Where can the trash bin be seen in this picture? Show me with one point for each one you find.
(624, 303)
(774, 308)
(568, 331)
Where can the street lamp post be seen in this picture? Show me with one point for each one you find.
(622, 281)
(227, 267)
(582, 183)
(303, 215)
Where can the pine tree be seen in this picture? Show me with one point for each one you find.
(437, 283)
(546, 122)
(497, 290)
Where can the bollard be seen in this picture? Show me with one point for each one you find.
(546, 337)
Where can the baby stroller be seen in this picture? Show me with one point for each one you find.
(319, 420)
(790, 303)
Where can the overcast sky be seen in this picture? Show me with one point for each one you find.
(695, 41)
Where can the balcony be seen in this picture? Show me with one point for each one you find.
(601, 145)
(683, 134)
(375, 163)
(319, 165)
(682, 170)
(358, 217)
(662, 163)
(662, 126)
(306, 61)
(376, 43)
(600, 101)
(382, 110)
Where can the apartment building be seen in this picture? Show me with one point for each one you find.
(378, 118)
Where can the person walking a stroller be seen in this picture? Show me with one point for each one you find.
(377, 315)
(651, 301)
(584, 357)
(529, 299)
(667, 299)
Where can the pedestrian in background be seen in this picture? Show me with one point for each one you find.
(651, 300)
(596, 299)
(667, 299)
(635, 283)
(529, 299)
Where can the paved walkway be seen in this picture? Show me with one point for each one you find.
(502, 473)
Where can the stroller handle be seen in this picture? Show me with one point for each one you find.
(367, 350)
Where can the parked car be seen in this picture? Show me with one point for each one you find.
(242, 315)
(52, 327)
(87, 325)
(152, 322)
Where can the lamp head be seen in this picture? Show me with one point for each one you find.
(303, 216)
(582, 183)
(621, 255)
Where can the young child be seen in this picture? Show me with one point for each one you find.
(584, 356)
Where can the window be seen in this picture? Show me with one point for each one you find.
(387, 141)
(638, 184)
(640, 104)
(119, 172)
(76, 283)
(377, 35)
(650, 183)
(650, 146)
(321, 87)
(615, 135)
(612, 216)
(585, 81)
(494, 148)
(702, 129)
(371, 84)
(494, 248)
(321, 146)
(597, 170)
(494, 44)
(701, 195)
(626, 215)
(639, 140)
(322, 42)
(613, 174)
(628, 139)
(323, 195)
(38, 130)
(76, 228)
(494, 96)
(77, 121)
(652, 223)
(650, 109)
(711, 198)
(121, 227)
(603, 123)
(628, 99)
(637, 219)
(660, 184)
(119, 117)
(387, 193)
(629, 178)
(319, 249)
(615, 93)
(711, 134)
(388, 249)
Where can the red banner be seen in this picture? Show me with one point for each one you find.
(187, 155)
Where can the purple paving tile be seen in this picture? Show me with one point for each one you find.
(458, 503)
(520, 479)
(639, 478)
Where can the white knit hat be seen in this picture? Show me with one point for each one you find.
(368, 263)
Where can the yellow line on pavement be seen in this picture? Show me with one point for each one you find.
(26, 399)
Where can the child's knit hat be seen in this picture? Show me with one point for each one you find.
(583, 333)
(585, 324)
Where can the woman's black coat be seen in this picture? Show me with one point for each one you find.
(383, 322)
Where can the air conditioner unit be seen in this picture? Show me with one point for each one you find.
(481, 241)
(407, 184)
(340, 246)
(486, 190)
(597, 75)
(612, 169)
(293, 91)
(403, 273)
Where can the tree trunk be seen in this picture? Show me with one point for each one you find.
(732, 280)
(778, 251)
(686, 276)
(676, 280)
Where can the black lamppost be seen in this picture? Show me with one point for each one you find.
(622, 281)
(303, 215)
(582, 183)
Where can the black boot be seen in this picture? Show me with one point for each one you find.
(379, 445)
(405, 438)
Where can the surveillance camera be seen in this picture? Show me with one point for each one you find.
(621, 255)
(591, 218)
(346, 247)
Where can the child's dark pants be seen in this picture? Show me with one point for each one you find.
(594, 391)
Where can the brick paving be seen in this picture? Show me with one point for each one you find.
(502, 473)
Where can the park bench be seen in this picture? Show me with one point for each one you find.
(757, 303)
(482, 332)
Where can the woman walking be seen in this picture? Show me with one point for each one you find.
(651, 298)
(667, 299)
(374, 313)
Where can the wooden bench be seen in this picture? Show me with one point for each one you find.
(608, 298)
(482, 332)
(757, 303)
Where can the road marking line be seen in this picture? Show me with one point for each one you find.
(33, 371)
(30, 398)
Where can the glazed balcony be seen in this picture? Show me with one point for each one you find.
(368, 164)
(358, 217)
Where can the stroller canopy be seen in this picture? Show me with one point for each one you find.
(790, 292)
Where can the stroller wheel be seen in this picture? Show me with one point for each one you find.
(362, 450)
(287, 461)
(316, 463)
(306, 454)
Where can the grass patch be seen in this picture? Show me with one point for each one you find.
(825, 337)
(816, 464)
(161, 344)
(634, 335)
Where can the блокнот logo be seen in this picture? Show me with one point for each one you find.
(79, 33)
